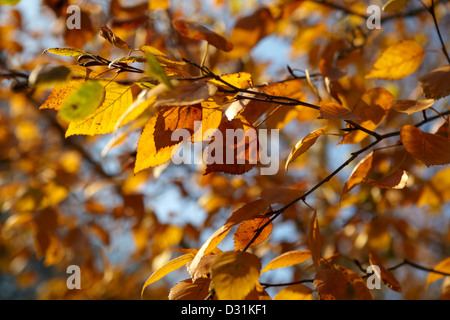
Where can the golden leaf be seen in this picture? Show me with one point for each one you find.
(443, 266)
(303, 145)
(234, 274)
(294, 292)
(190, 290)
(314, 240)
(359, 173)
(288, 259)
(330, 283)
(398, 61)
(246, 231)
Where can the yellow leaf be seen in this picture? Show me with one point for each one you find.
(158, 5)
(147, 154)
(303, 145)
(288, 259)
(103, 120)
(167, 268)
(398, 61)
(443, 266)
(294, 292)
(394, 5)
(234, 274)
(431, 149)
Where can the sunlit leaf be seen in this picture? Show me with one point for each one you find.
(303, 145)
(435, 84)
(234, 274)
(395, 180)
(314, 240)
(411, 106)
(295, 292)
(330, 283)
(68, 52)
(167, 268)
(394, 5)
(386, 276)
(107, 33)
(398, 61)
(155, 70)
(359, 173)
(83, 101)
(190, 290)
(288, 259)
(245, 232)
(443, 266)
(193, 30)
(431, 149)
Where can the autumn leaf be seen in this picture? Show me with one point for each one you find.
(167, 268)
(158, 5)
(314, 240)
(234, 274)
(83, 101)
(431, 149)
(194, 30)
(443, 266)
(303, 145)
(68, 52)
(435, 84)
(186, 94)
(334, 111)
(295, 292)
(245, 232)
(398, 61)
(385, 275)
(107, 33)
(330, 283)
(359, 173)
(45, 76)
(372, 108)
(190, 290)
(288, 259)
(358, 284)
(411, 106)
(395, 180)
(394, 5)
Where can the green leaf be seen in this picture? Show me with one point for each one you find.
(155, 70)
(83, 101)
(67, 52)
(10, 2)
(45, 76)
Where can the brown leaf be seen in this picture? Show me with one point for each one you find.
(411, 106)
(435, 84)
(190, 290)
(358, 284)
(194, 30)
(431, 149)
(330, 283)
(106, 33)
(334, 111)
(395, 180)
(359, 173)
(246, 231)
(386, 276)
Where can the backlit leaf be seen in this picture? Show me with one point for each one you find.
(193, 30)
(435, 84)
(247, 229)
(234, 274)
(334, 111)
(190, 290)
(107, 33)
(358, 284)
(68, 52)
(303, 145)
(294, 292)
(443, 266)
(394, 5)
(411, 106)
(314, 240)
(431, 149)
(359, 173)
(398, 61)
(386, 276)
(167, 268)
(155, 70)
(330, 283)
(288, 259)
(395, 180)
(83, 101)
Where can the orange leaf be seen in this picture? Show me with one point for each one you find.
(431, 149)
(411, 106)
(190, 290)
(435, 84)
(288, 259)
(334, 111)
(395, 180)
(331, 284)
(234, 274)
(386, 276)
(106, 33)
(372, 108)
(246, 231)
(303, 145)
(443, 266)
(358, 284)
(359, 173)
(193, 30)
(314, 240)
